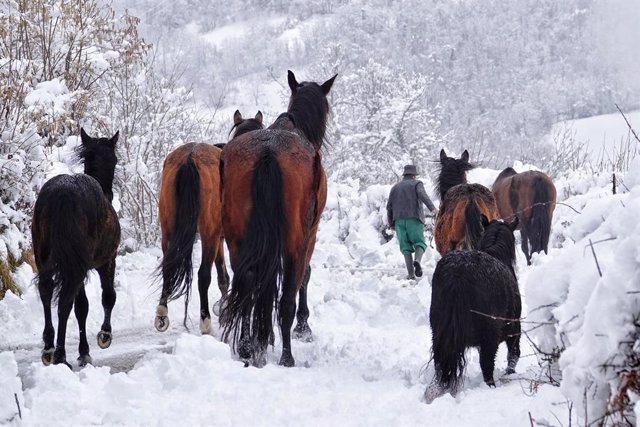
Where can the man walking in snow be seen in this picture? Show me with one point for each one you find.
(406, 217)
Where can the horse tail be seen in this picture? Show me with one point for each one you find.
(177, 263)
(472, 226)
(450, 318)
(68, 259)
(539, 227)
(258, 269)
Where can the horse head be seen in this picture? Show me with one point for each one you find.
(498, 240)
(309, 108)
(242, 125)
(452, 172)
(99, 158)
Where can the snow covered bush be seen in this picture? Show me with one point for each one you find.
(585, 297)
(88, 68)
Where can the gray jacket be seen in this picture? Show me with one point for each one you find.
(404, 200)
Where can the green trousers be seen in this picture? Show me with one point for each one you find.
(410, 233)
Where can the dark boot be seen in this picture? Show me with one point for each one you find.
(416, 264)
(408, 260)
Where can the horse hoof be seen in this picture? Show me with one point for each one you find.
(287, 360)
(433, 391)
(85, 360)
(162, 318)
(218, 306)
(47, 356)
(302, 334)
(510, 371)
(104, 339)
(260, 360)
(244, 350)
(205, 326)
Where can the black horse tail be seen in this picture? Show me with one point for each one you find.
(472, 226)
(69, 259)
(258, 268)
(450, 320)
(539, 227)
(177, 265)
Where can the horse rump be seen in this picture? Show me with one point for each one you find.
(177, 264)
(60, 243)
(450, 319)
(258, 268)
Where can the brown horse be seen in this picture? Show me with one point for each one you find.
(453, 230)
(190, 203)
(531, 197)
(273, 194)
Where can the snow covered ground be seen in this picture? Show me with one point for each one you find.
(368, 364)
(369, 361)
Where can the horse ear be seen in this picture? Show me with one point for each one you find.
(259, 116)
(326, 86)
(84, 137)
(114, 138)
(443, 155)
(514, 224)
(465, 156)
(237, 118)
(485, 220)
(293, 83)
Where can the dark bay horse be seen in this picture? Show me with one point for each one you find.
(189, 203)
(274, 190)
(531, 197)
(75, 229)
(452, 230)
(475, 302)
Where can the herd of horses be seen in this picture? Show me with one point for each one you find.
(263, 193)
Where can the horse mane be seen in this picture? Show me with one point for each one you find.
(498, 241)
(308, 111)
(99, 159)
(452, 172)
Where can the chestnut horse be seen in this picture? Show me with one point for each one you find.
(190, 203)
(274, 190)
(531, 197)
(452, 230)
(75, 229)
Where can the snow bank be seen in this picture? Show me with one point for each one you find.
(586, 314)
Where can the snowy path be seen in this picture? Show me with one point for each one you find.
(366, 366)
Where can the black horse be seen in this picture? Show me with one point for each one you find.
(475, 302)
(75, 229)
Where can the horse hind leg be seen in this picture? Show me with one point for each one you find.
(204, 280)
(223, 279)
(513, 347)
(287, 310)
(302, 331)
(524, 237)
(107, 275)
(65, 303)
(81, 309)
(488, 350)
(45, 288)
